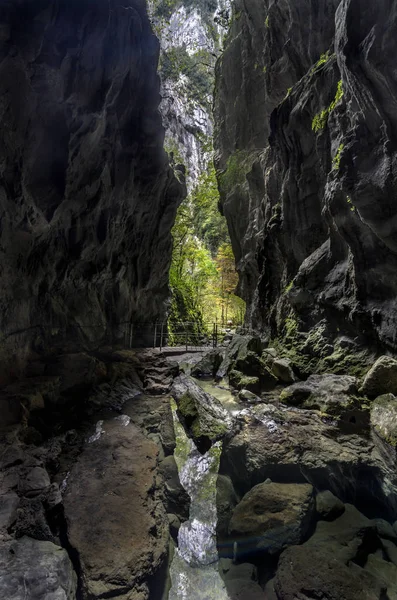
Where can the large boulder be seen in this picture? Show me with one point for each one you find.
(239, 381)
(384, 417)
(286, 444)
(331, 394)
(328, 506)
(203, 416)
(116, 520)
(238, 350)
(271, 517)
(282, 369)
(36, 571)
(329, 565)
(381, 378)
(208, 365)
(306, 573)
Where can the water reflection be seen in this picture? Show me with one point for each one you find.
(221, 393)
(194, 569)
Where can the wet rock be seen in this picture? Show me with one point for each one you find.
(11, 456)
(384, 417)
(177, 499)
(385, 572)
(385, 530)
(390, 550)
(269, 355)
(305, 572)
(238, 349)
(8, 509)
(332, 394)
(240, 382)
(328, 563)
(122, 540)
(282, 369)
(381, 378)
(293, 445)
(36, 570)
(34, 482)
(208, 365)
(203, 415)
(271, 517)
(247, 396)
(31, 520)
(328, 506)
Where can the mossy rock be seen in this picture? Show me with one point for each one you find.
(203, 416)
(240, 381)
(312, 352)
(330, 394)
(187, 406)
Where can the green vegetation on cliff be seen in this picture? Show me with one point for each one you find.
(203, 276)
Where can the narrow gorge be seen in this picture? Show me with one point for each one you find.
(163, 435)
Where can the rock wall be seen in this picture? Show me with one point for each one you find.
(306, 155)
(190, 40)
(87, 197)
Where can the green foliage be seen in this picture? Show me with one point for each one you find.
(210, 226)
(291, 327)
(171, 147)
(338, 96)
(267, 22)
(197, 68)
(349, 201)
(289, 287)
(337, 157)
(202, 275)
(320, 120)
(324, 58)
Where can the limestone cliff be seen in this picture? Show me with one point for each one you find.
(306, 162)
(190, 35)
(87, 197)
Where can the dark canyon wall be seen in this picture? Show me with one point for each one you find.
(87, 198)
(306, 152)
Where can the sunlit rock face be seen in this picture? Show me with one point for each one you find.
(87, 197)
(306, 154)
(186, 86)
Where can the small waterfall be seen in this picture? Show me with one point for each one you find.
(194, 569)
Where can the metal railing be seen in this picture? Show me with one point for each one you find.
(192, 336)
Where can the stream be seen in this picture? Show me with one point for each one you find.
(194, 570)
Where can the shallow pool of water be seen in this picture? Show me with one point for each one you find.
(222, 393)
